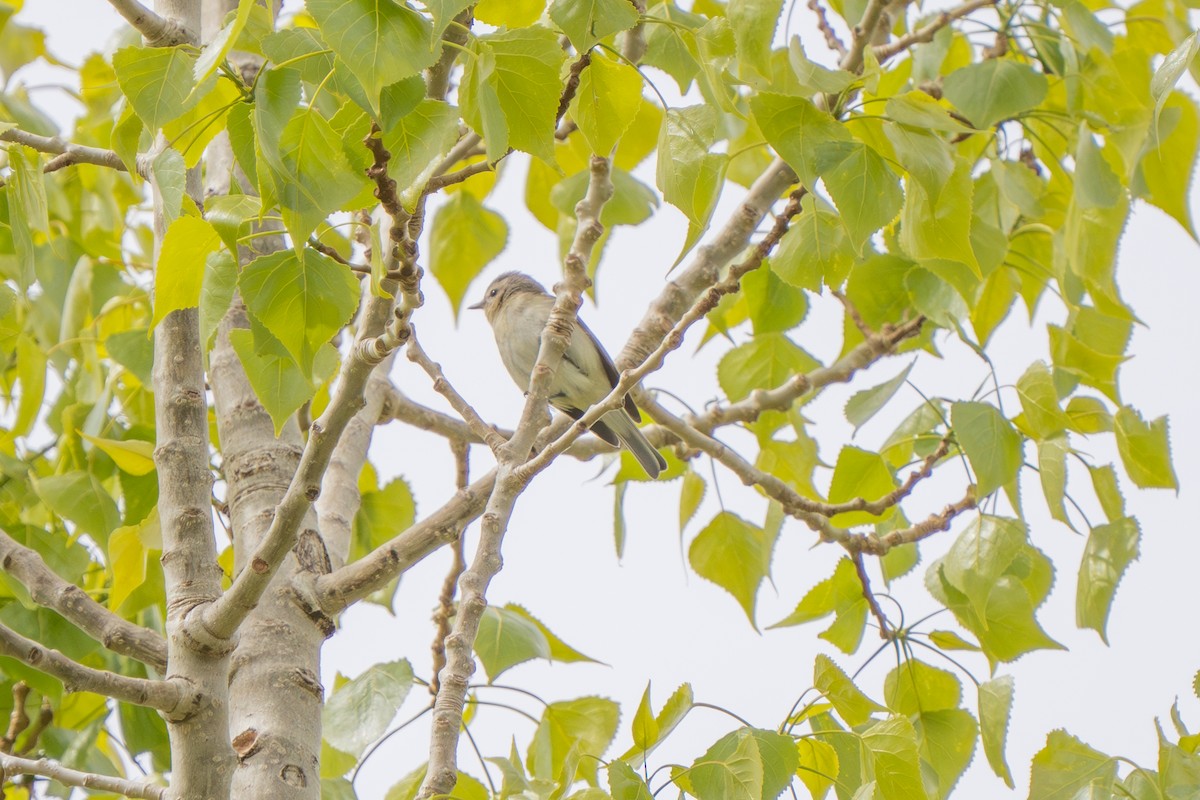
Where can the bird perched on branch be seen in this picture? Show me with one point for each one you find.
(517, 307)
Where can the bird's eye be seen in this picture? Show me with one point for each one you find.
(492, 293)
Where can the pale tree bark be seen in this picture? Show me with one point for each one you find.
(201, 757)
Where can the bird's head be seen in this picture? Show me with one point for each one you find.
(503, 289)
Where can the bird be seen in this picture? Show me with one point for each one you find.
(517, 307)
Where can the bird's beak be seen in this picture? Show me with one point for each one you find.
(477, 306)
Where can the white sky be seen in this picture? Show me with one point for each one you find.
(651, 620)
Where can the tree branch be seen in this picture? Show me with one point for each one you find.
(445, 608)
(460, 659)
(50, 591)
(13, 765)
(68, 153)
(169, 696)
(157, 31)
(926, 32)
(437, 77)
(885, 630)
(831, 38)
(478, 428)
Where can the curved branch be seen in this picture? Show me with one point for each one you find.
(13, 765)
(925, 33)
(50, 591)
(167, 696)
(157, 31)
(68, 153)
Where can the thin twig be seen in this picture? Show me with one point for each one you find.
(478, 427)
(68, 153)
(13, 765)
(831, 38)
(445, 609)
(926, 32)
(885, 630)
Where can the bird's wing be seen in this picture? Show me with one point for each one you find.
(610, 370)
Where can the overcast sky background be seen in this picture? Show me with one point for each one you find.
(651, 620)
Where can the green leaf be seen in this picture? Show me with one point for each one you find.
(673, 47)
(947, 744)
(1159, 179)
(509, 13)
(31, 373)
(1104, 482)
(510, 91)
(128, 549)
(865, 191)
(381, 42)
(814, 77)
(1039, 400)
(689, 174)
(1088, 415)
(1109, 551)
(860, 473)
(586, 726)
(818, 767)
(418, 140)
(218, 47)
(157, 81)
(808, 139)
(690, 495)
(851, 704)
(586, 22)
(80, 498)
(995, 709)
(917, 110)
(385, 511)
(949, 640)
(765, 362)
(180, 272)
(463, 239)
(994, 90)
(1052, 470)
(311, 176)
(649, 731)
(992, 445)
(1067, 766)
(132, 455)
(893, 747)
(941, 228)
(867, 402)
(735, 555)
(27, 210)
(1145, 450)
(359, 711)
(981, 555)
(753, 23)
(506, 639)
(815, 251)
(170, 173)
(926, 157)
(133, 350)
(274, 375)
(774, 306)
(625, 784)
(842, 595)
(559, 650)
(1170, 71)
(216, 293)
(302, 298)
(722, 774)
(607, 100)
(915, 687)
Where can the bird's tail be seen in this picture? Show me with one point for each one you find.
(627, 431)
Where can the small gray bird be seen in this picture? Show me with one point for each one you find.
(517, 307)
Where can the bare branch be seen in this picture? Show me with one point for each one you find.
(18, 720)
(437, 77)
(13, 765)
(831, 38)
(934, 523)
(479, 429)
(68, 153)
(48, 590)
(445, 608)
(926, 32)
(157, 31)
(169, 696)
(680, 294)
(460, 659)
(863, 35)
(885, 630)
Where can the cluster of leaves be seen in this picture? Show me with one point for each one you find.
(951, 182)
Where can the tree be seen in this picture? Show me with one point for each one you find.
(206, 284)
